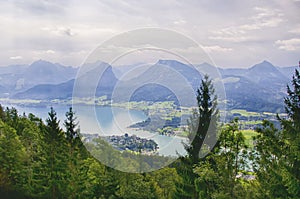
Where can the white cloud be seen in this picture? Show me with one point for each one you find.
(59, 30)
(16, 57)
(179, 22)
(216, 48)
(267, 17)
(295, 30)
(289, 45)
(231, 34)
(263, 18)
(50, 51)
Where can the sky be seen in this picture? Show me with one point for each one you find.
(235, 33)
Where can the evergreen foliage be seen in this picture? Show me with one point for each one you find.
(203, 123)
(201, 136)
(278, 151)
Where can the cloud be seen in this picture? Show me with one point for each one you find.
(16, 57)
(216, 48)
(68, 32)
(59, 30)
(295, 30)
(231, 34)
(267, 17)
(263, 18)
(179, 22)
(31, 28)
(288, 45)
(50, 51)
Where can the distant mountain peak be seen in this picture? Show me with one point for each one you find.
(264, 66)
(266, 62)
(41, 61)
(264, 72)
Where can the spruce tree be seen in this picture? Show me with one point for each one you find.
(12, 154)
(72, 133)
(71, 124)
(203, 123)
(56, 157)
(76, 155)
(32, 174)
(202, 127)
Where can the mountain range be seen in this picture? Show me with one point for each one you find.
(19, 78)
(261, 87)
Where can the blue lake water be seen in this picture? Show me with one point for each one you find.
(110, 121)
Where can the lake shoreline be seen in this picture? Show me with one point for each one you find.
(102, 122)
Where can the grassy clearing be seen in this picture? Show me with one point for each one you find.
(244, 112)
(248, 136)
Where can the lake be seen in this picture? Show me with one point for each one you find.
(105, 120)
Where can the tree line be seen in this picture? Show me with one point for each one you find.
(41, 160)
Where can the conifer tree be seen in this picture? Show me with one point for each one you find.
(32, 173)
(11, 159)
(56, 157)
(203, 122)
(202, 132)
(76, 155)
(71, 124)
(72, 133)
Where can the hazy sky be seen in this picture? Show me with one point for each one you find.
(236, 33)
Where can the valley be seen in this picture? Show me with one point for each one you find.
(260, 88)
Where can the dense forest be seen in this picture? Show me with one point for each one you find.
(41, 160)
